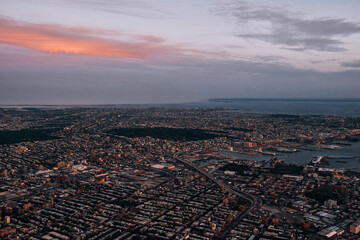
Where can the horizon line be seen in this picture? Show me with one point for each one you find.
(286, 99)
(200, 101)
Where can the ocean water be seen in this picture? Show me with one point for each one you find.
(341, 107)
(348, 155)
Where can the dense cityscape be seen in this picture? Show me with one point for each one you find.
(174, 173)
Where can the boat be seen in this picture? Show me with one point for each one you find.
(319, 160)
(286, 150)
(269, 153)
(331, 147)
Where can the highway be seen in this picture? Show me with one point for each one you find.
(254, 202)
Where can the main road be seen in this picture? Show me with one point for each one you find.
(254, 202)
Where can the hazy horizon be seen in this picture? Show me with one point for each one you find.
(344, 100)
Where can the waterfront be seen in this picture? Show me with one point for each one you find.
(341, 107)
(304, 156)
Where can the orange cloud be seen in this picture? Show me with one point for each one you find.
(52, 38)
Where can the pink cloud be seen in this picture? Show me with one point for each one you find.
(54, 38)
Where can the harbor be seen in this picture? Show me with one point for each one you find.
(344, 157)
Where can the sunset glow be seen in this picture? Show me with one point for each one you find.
(86, 41)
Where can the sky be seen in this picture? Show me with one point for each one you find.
(173, 51)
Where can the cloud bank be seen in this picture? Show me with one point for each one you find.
(352, 64)
(290, 29)
(54, 38)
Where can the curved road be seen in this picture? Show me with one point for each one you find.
(254, 202)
